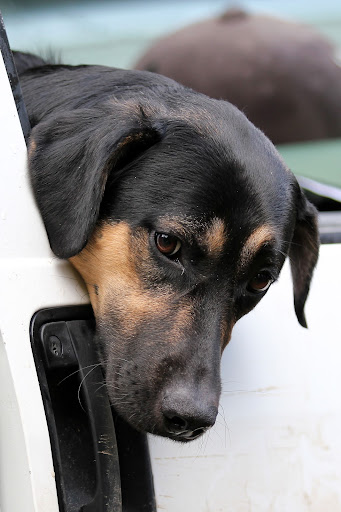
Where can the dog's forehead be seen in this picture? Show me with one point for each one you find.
(222, 138)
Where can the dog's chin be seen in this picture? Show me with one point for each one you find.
(181, 437)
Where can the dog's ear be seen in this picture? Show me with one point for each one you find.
(303, 252)
(70, 158)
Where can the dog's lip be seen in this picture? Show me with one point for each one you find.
(188, 435)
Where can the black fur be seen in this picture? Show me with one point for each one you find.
(111, 146)
(25, 61)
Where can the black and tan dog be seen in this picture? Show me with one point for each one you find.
(177, 212)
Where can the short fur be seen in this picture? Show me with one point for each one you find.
(117, 157)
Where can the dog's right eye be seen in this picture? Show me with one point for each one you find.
(260, 282)
(169, 245)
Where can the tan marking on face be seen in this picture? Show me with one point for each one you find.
(226, 333)
(112, 264)
(32, 146)
(214, 237)
(182, 319)
(256, 240)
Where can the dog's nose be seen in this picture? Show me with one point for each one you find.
(186, 420)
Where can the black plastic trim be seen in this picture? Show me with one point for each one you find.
(330, 227)
(14, 80)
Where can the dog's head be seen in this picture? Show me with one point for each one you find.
(179, 217)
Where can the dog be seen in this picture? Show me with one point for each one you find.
(178, 214)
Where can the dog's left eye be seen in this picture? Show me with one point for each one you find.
(260, 282)
(169, 245)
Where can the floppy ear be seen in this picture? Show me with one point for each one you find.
(303, 253)
(70, 158)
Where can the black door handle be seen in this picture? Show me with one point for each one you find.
(79, 415)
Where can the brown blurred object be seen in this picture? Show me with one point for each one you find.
(284, 76)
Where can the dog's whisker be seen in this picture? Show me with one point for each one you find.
(223, 418)
(103, 385)
(79, 370)
(222, 439)
(65, 277)
(227, 428)
(205, 441)
(81, 383)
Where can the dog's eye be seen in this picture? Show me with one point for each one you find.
(169, 245)
(260, 282)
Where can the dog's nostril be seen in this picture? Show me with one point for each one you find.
(176, 424)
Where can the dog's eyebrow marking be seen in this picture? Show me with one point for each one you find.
(260, 236)
(214, 237)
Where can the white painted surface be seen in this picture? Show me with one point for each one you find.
(276, 446)
(31, 278)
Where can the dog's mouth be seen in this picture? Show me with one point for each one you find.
(185, 436)
(189, 435)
